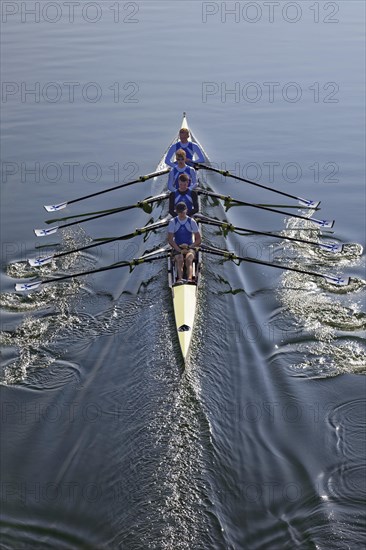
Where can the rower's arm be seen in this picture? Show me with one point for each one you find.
(198, 151)
(172, 205)
(197, 238)
(195, 208)
(171, 181)
(168, 158)
(193, 177)
(172, 242)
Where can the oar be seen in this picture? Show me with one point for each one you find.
(152, 256)
(145, 205)
(226, 173)
(61, 205)
(36, 262)
(331, 247)
(229, 200)
(340, 281)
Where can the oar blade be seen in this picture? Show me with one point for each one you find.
(46, 231)
(339, 281)
(55, 207)
(24, 287)
(38, 262)
(332, 247)
(323, 223)
(306, 202)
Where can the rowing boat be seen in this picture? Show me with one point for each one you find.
(184, 295)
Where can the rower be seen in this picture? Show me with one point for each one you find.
(183, 194)
(190, 149)
(181, 230)
(181, 168)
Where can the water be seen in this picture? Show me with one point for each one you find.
(108, 441)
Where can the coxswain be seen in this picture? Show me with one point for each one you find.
(183, 194)
(190, 149)
(181, 168)
(183, 236)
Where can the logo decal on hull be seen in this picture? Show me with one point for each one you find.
(184, 328)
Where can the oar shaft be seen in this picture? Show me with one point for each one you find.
(230, 227)
(140, 231)
(132, 263)
(228, 174)
(120, 186)
(232, 256)
(116, 210)
(229, 199)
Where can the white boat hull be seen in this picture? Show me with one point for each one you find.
(184, 303)
(184, 295)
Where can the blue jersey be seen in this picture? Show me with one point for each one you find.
(191, 149)
(183, 230)
(174, 174)
(188, 149)
(184, 197)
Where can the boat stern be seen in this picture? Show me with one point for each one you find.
(184, 302)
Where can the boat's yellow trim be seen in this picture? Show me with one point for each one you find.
(184, 302)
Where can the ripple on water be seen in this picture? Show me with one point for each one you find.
(346, 484)
(327, 359)
(348, 422)
(322, 312)
(56, 376)
(32, 339)
(47, 312)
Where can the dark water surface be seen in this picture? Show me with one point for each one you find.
(107, 441)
